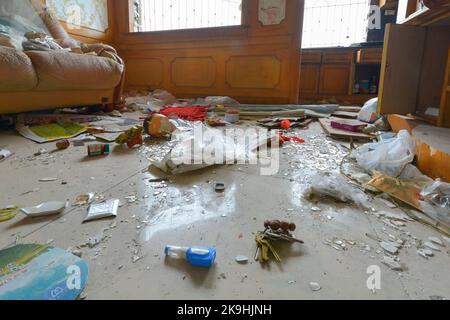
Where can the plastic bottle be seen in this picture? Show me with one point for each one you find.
(196, 256)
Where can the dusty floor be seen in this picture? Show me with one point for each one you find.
(189, 212)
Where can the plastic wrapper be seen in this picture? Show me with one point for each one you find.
(103, 210)
(152, 102)
(436, 202)
(336, 186)
(388, 157)
(192, 152)
(369, 112)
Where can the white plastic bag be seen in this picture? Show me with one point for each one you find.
(369, 112)
(388, 157)
(436, 204)
(337, 187)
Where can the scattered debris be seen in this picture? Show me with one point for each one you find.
(392, 263)
(431, 246)
(84, 199)
(390, 247)
(48, 179)
(242, 259)
(219, 187)
(436, 240)
(337, 187)
(4, 154)
(77, 253)
(425, 253)
(96, 240)
(315, 286)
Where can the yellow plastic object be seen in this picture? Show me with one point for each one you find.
(8, 213)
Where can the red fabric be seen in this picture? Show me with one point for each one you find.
(293, 139)
(191, 113)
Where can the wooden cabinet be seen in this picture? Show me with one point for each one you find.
(335, 79)
(423, 13)
(329, 74)
(414, 73)
(369, 56)
(312, 57)
(309, 80)
(345, 57)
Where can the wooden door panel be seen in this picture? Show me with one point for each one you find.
(334, 79)
(309, 78)
(400, 69)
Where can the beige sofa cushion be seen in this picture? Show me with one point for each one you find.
(61, 70)
(17, 72)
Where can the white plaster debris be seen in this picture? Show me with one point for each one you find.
(242, 259)
(391, 263)
(431, 246)
(389, 247)
(436, 240)
(315, 286)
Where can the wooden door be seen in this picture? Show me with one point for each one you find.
(309, 78)
(444, 120)
(400, 69)
(335, 79)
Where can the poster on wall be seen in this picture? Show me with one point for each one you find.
(92, 14)
(272, 12)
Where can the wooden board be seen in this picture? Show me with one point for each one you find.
(400, 71)
(346, 114)
(349, 109)
(326, 125)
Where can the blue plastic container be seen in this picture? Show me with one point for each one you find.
(197, 256)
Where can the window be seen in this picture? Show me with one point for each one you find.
(164, 15)
(332, 23)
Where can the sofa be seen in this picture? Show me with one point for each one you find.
(74, 74)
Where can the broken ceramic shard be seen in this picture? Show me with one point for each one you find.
(242, 259)
(425, 253)
(103, 210)
(315, 286)
(394, 216)
(48, 179)
(389, 247)
(436, 240)
(391, 263)
(431, 246)
(45, 209)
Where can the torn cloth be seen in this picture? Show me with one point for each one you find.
(284, 139)
(191, 113)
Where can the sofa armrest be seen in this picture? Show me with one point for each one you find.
(97, 48)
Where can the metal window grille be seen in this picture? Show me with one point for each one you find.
(163, 15)
(333, 23)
